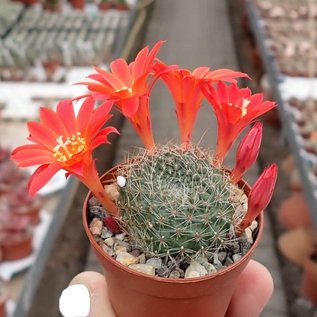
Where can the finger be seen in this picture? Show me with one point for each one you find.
(255, 287)
(96, 285)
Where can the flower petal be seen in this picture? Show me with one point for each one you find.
(41, 176)
(31, 154)
(50, 119)
(42, 134)
(129, 106)
(120, 68)
(65, 111)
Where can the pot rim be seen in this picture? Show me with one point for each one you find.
(245, 257)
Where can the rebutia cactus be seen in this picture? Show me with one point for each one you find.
(176, 202)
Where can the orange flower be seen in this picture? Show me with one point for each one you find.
(185, 88)
(128, 86)
(63, 141)
(235, 108)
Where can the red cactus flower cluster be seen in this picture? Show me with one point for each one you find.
(62, 140)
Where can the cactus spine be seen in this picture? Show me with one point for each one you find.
(175, 202)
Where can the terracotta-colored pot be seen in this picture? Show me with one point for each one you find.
(297, 244)
(31, 211)
(309, 279)
(78, 4)
(134, 294)
(16, 246)
(294, 212)
(122, 7)
(2, 306)
(104, 6)
(30, 2)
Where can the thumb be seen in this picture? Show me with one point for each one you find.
(86, 296)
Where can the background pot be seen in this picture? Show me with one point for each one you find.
(31, 211)
(78, 4)
(16, 246)
(2, 306)
(297, 244)
(309, 279)
(135, 294)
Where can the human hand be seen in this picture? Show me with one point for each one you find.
(255, 287)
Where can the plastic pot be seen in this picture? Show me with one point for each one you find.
(309, 279)
(134, 294)
(297, 244)
(31, 211)
(294, 213)
(16, 246)
(2, 306)
(78, 4)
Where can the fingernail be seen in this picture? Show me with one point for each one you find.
(75, 301)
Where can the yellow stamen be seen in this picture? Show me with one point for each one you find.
(65, 150)
(129, 89)
(244, 108)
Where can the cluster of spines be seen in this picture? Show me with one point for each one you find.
(177, 202)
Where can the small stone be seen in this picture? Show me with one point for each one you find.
(175, 274)
(236, 257)
(235, 247)
(97, 211)
(106, 233)
(245, 244)
(126, 258)
(108, 250)
(201, 259)
(195, 268)
(120, 236)
(120, 248)
(209, 267)
(143, 268)
(163, 271)
(155, 262)
(222, 256)
(192, 274)
(142, 258)
(121, 181)
(112, 191)
(248, 235)
(181, 272)
(253, 225)
(228, 261)
(135, 252)
(96, 226)
(109, 242)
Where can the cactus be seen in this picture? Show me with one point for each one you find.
(175, 202)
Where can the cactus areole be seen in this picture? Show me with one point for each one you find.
(173, 201)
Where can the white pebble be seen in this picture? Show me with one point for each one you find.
(75, 301)
(121, 181)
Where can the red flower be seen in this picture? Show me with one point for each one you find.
(185, 88)
(260, 195)
(247, 151)
(235, 108)
(62, 141)
(128, 86)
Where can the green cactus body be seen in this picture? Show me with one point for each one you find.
(175, 202)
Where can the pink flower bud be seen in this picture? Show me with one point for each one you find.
(112, 224)
(260, 195)
(247, 152)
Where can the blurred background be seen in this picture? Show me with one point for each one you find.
(48, 45)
